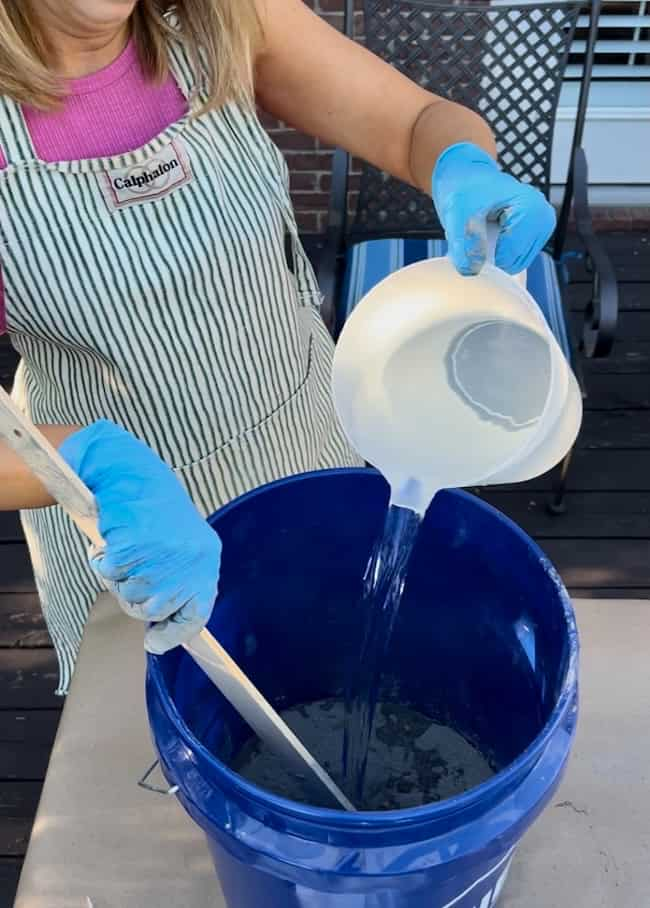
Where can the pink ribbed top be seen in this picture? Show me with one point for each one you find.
(110, 112)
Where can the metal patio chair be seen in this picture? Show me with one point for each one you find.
(508, 62)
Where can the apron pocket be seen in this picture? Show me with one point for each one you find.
(287, 441)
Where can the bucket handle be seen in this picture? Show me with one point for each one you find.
(144, 782)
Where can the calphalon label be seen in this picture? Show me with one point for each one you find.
(149, 180)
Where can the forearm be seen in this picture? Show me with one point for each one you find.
(311, 77)
(441, 124)
(18, 487)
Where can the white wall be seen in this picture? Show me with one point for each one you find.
(617, 142)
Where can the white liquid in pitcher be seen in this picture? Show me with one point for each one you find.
(463, 398)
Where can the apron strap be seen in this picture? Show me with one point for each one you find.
(14, 134)
(181, 69)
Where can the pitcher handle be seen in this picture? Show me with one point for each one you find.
(492, 237)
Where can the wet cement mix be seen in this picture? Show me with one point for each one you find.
(412, 760)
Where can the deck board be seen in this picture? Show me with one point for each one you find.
(28, 679)
(594, 470)
(10, 528)
(629, 252)
(631, 296)
(629, 357)
(590, 515)
(18, 804)
(615, 429)
(21, 622)
(591, 564)
(632, 325)
(15, 569)
(606, 391)
(601, 546)
(9, 875)
(26, 738)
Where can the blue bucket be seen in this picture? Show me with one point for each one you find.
(485, 642)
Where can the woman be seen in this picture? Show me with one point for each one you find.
(169, 345)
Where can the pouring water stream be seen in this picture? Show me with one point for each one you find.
(440, 381)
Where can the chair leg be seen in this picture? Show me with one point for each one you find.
(557, 504)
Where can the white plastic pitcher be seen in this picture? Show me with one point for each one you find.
(444, 381)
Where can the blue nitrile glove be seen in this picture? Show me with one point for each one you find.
(161, 558)
(468, 188)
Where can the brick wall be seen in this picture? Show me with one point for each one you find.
(309, 159)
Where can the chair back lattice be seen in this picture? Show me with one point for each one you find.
(505, 61)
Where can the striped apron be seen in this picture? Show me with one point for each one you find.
(167, 290)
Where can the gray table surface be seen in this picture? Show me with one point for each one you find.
(101, 841)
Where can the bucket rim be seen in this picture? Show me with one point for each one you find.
(413, 816)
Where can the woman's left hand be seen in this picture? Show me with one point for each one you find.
(468, 189)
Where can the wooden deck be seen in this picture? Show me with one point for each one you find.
(601, 547)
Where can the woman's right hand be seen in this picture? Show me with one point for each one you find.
(469, 188)
(161, 558)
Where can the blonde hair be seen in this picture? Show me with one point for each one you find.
(219, 35)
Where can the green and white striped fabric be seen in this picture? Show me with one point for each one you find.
(153, 288)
